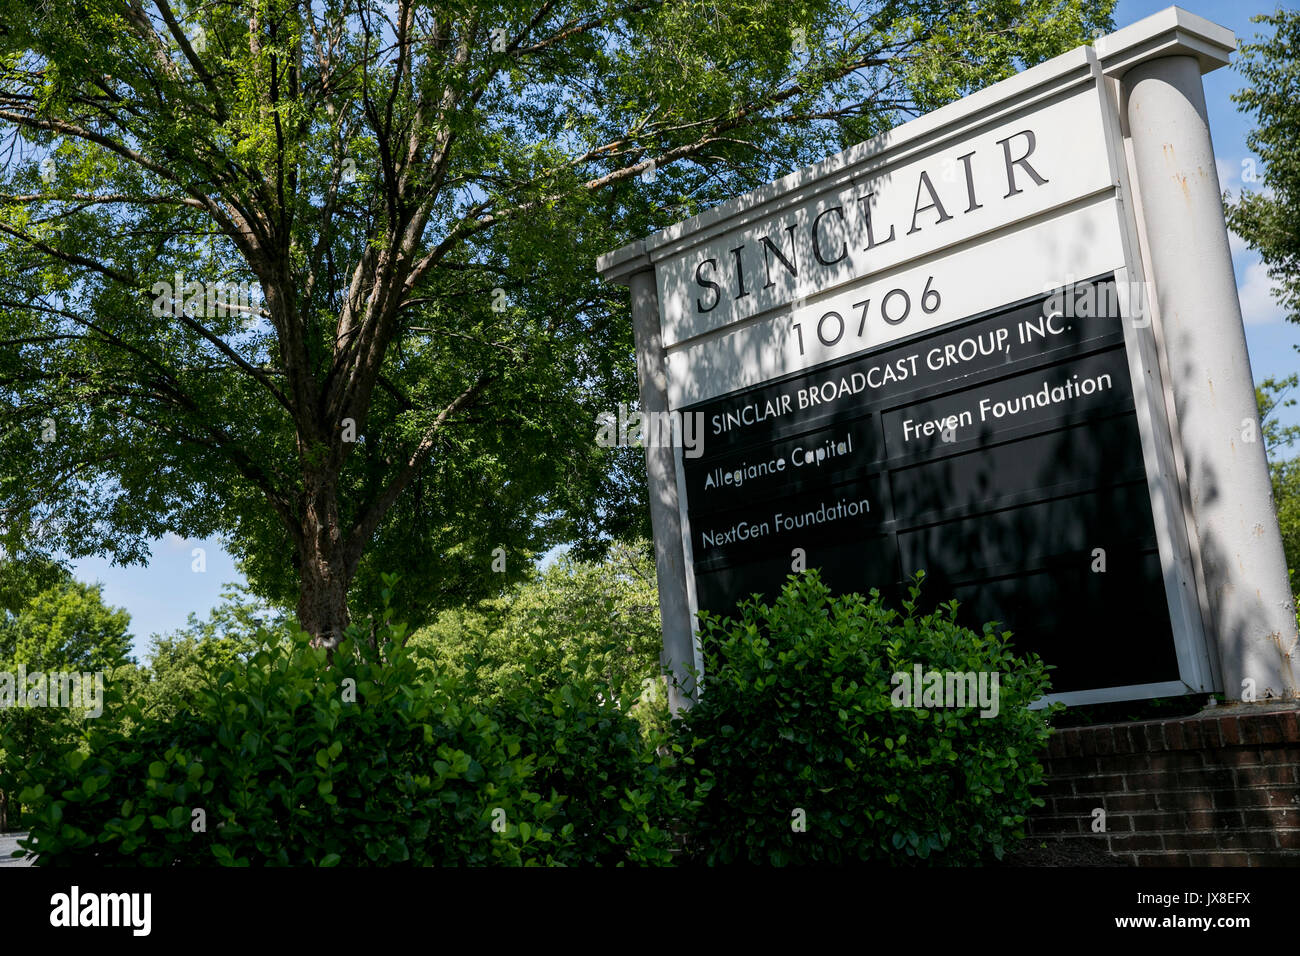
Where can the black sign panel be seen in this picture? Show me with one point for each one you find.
(1001, 455)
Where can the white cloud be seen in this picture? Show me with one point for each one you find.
(1255, 289)
(174, 542)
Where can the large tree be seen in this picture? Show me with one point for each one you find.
(419, 190)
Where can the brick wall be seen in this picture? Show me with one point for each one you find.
(1220, 788)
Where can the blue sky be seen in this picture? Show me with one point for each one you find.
(160, 596)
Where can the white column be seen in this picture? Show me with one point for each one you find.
(1241, 551)
(665, 517)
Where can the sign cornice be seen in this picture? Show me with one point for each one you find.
(1170, 32)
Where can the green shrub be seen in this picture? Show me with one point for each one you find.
(297, 761)
(288, 770)
(611, 786)
(801, 756)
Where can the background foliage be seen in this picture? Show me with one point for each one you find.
(592, 621)
(1268, 218)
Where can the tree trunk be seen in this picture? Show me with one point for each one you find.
(325, 573)
(323, 601)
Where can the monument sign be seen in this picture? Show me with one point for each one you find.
(1000, 344)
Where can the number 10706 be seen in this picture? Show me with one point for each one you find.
(894, 307)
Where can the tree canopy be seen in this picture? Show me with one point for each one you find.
(594, 622)
(1268, 218)
(50, 622)
(60, 623)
